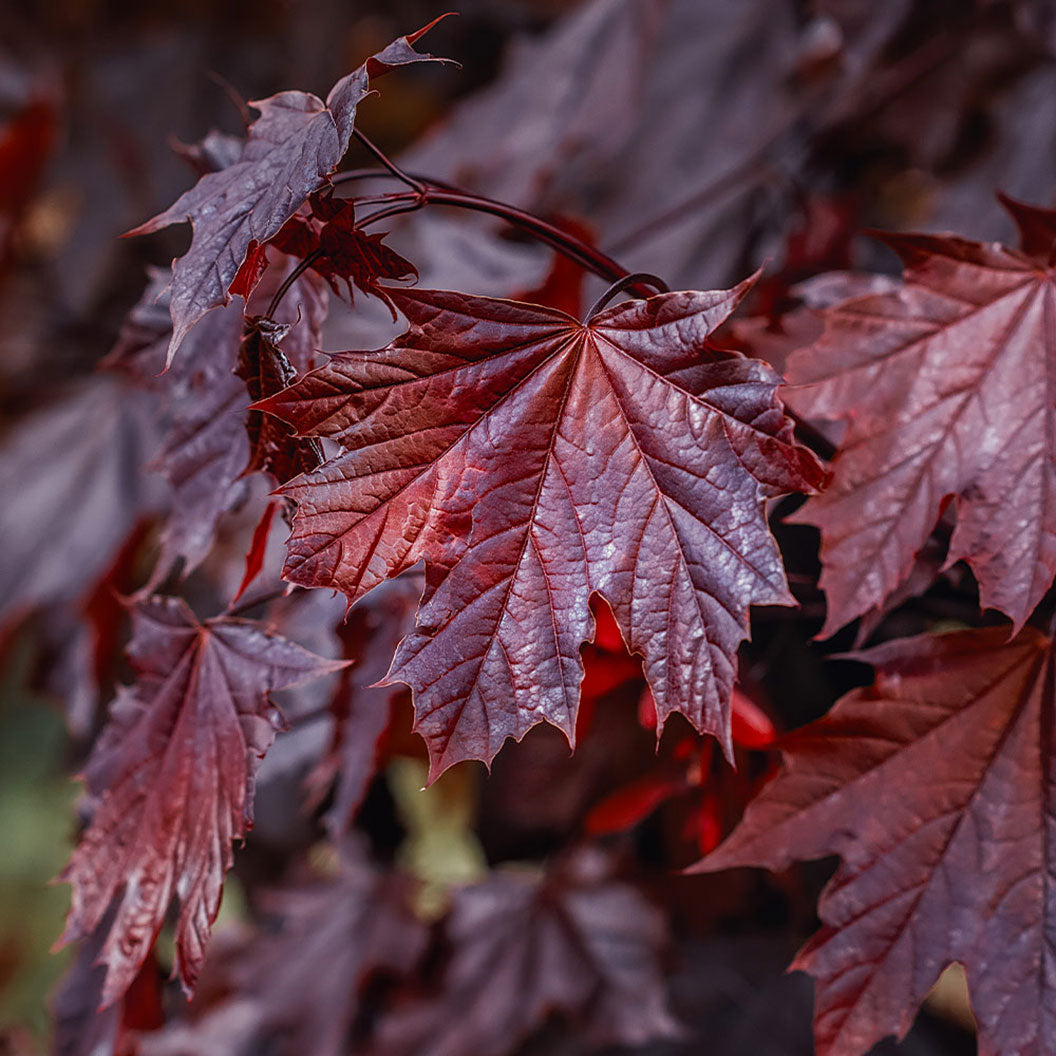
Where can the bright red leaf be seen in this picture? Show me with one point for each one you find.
(172, 776)
(290, 152)
(531, 460)
(947, 388)
(935, 788)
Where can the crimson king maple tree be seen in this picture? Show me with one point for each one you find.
(553, 490)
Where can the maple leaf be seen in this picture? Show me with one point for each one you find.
(343, 252)
(531, 460)
(290, 151)
(526, 946)
(947, 388)
(359, 925)
(934, 786)
(173, 777)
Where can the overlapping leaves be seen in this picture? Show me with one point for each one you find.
(291, 150)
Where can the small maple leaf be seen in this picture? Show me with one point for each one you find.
(531, 460)
(526, 946)
(290, 151)
(173, 777)
(934, 786)
(947, 386)
(344, 253)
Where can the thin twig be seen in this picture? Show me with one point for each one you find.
(639, 278)
(272, 594)
(290, 279)
(412, 181)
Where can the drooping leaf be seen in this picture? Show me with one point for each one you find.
(531, 460)
(290, 152)
(946, 385)
(525, 947)
(203, 454)
(264, 368)
(205, 451)
(172, 777)
(935, 788)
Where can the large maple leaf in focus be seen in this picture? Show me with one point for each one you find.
(948, 386)
(531, 460)
(290, 151)
(173, 777)
(935, 786)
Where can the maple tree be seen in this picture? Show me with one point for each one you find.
(416, 447)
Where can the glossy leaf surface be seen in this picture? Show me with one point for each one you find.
(531, 460)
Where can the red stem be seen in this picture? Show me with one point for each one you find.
(587, 256)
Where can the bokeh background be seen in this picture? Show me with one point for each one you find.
(696, 139)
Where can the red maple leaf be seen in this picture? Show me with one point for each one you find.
(343, 253)
(531, 460)
(172, 776)
(525, 946)
(947, 388)
(290, 151)
(360, 925)
(935, 788)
